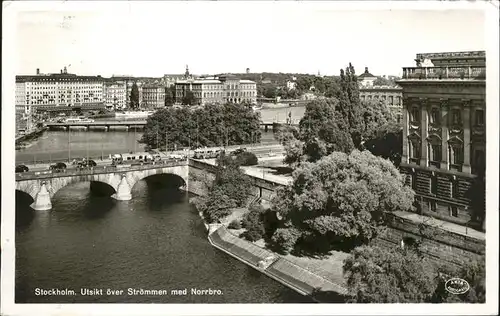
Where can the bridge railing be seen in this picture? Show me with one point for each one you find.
(98, 170)
(65, 160)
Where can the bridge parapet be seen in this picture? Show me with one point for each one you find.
(21, 176)
(43, 187)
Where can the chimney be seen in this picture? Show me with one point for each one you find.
(366, 69)
(38, 71)
(61, 71)
(65, 70)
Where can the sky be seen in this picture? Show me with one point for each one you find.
(156, 38)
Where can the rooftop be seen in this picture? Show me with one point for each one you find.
(372, 88)
(465, 72)
(366, 74)
(470, 54)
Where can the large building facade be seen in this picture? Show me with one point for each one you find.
(153, 96)
(444, 132)
(115, 95)
(221, 89)
(61, 90)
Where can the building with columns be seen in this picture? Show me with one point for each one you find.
(444, 132)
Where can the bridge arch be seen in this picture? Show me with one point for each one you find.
(43, 190)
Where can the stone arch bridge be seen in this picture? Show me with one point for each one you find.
(43, 186)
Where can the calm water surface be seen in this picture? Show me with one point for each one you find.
(155, 241)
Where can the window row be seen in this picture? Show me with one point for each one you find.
(454, 116)
(454, 151)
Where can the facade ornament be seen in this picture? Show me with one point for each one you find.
(445, 103)
(467, 103)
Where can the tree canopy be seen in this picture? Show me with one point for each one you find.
(134, 96)
(395, 275)
(376, 275)
(342, 200)
(342, 123)
(211, 125)
(188, 98)
(230, 188)
(170, 95)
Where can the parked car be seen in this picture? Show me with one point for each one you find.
(57, 167)
(22, 168)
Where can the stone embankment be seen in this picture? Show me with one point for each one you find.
(276, 267)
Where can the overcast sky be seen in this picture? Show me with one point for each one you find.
(156, 38)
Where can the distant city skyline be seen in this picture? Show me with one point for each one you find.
(157, 38)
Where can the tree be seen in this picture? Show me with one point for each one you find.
(349, 105)
(376, 275)
(230, 189)
(286, 133)
(342, 200)
(322, 131)
(169, 96)
(254, 224)
(381, 81)
(381, 133)
(474, 272)
(189, 98)
(211, 125)
(134, 96)
(270, 91)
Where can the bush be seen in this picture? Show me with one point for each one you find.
(285, 239)
(235, 224)
(254, 224)
(215, 206)
(247, 158)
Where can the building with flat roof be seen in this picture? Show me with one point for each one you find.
(444, 132)
(115, 95)
(153, 96)
(48, 92)
(220, 89)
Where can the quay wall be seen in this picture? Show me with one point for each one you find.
(277, 268)
(436, 243)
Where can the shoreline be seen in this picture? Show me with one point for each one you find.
(273, 265)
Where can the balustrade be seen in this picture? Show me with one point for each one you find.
(463, 72)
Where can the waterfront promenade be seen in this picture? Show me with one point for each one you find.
(277, 267)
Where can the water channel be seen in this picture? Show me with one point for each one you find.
(156, 241)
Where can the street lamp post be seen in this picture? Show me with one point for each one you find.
(69, 145)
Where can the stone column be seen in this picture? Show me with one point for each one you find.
(424, 132)
(42, 199)
(467, 143)
(123, 193)
(444, 134)
(404, 155)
